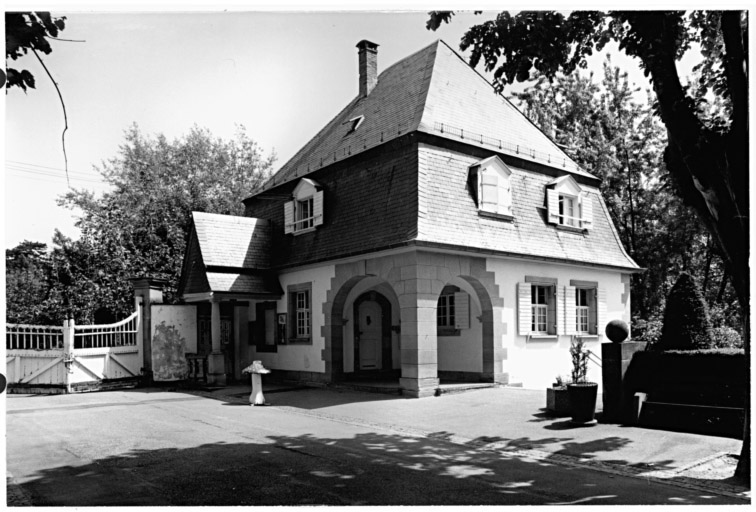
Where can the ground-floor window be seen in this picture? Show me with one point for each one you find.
(300, 312)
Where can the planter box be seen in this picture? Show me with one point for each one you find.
(558, 401)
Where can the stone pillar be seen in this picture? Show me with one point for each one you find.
(615, 359)
(419, 347)
(241, 336)
(216, 365)
(150, 290)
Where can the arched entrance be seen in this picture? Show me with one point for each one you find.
(372, 333)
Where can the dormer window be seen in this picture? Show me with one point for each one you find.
(354, 123)
(491, 188)
(568, 204)
(304, 213)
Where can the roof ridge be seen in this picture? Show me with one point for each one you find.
(430, 65)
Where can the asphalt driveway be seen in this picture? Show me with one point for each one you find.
(320, 446)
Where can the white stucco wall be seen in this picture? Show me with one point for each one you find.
(535, 362)
(463, 353)
(174, 333)
(300, 357)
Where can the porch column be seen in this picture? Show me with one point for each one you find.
(419, 348)
(216, 367)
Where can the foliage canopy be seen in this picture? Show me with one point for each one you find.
(140, 226)
(24, 32)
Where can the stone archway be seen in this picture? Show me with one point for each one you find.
(492, 352)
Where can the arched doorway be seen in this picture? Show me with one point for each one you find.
(372, 335)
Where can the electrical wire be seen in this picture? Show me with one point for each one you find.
(20, 171)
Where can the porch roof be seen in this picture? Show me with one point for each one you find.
(228, 254)
(244, 284)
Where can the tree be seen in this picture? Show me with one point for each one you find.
(707, 157)
(141, 226)
(27, 282)
(686, 318)
(609, 127)
(24, 32)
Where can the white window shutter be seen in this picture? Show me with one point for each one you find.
(560, 296)
(289, 217)
(552, 206)
(317, 208)
(601, 311)
(593, 312)
(461, 310)
(570, 313)
(524, 310)
(586, 211)
(551, 310)
(505, 196)
(489, 191)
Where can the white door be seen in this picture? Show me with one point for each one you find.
(370, 333)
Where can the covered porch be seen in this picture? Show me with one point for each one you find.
(226, 272)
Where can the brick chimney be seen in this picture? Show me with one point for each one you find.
(368, 58)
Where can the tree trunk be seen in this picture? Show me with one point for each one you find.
(709, 168)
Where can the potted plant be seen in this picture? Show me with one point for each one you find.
(557, 399)
(581, 392)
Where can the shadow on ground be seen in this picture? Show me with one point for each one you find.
(367, 469)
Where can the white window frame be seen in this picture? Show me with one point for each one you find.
(569, 218)
(582, 311)
(303, 207)
(445, 313)
(539, 310)
(299, 299)
(302, 313)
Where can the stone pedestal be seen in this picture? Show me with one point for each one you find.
(147, 291)
(216, 369)
(615, 359)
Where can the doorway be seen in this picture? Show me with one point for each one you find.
(372, 335)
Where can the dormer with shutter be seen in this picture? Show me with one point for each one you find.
(304, 213)
(491, 188)
(568, 205)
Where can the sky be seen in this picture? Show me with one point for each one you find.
(282, 75)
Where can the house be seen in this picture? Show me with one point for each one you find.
(428, 232)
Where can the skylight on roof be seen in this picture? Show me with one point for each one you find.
(354, 123)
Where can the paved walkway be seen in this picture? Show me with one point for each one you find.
(513, 420)
(504, 430)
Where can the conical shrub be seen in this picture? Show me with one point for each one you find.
(687, 325)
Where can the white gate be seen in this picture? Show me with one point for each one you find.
(73, 357)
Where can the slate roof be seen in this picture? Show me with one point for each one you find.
(230, 241)
(452, 217)
(433, 91)
(229, 254)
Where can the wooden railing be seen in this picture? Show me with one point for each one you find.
(119, 334)
(33, 337)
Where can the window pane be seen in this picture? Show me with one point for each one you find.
(302, 300)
